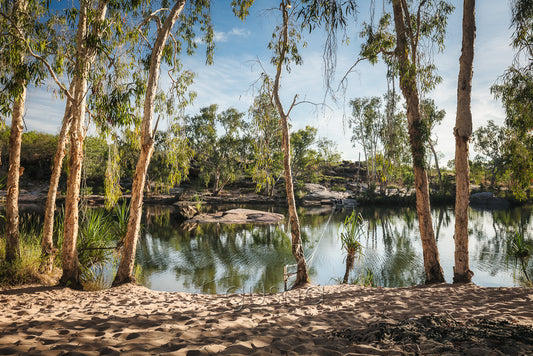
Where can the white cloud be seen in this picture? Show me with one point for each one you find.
(44, 112)
(221, 36)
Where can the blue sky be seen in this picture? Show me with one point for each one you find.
(229, 82)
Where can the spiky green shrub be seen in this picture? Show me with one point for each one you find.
(353, 230)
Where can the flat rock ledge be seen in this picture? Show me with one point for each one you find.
(238, 216)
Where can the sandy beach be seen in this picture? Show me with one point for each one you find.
(329, 320)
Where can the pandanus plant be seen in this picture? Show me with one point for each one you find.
(353, 230)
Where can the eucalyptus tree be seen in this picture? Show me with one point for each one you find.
(22, 23)
(195, 12)
(285, 46)
(432, 117)
(14, 53)
(265, 132)
(217, 140)
(394, 136)
(98, 56)
(463, 132)
(312, 14)
(366, 125)
(414, 24)
(307, 159)
(515, 89)
(90, 29)
(489, 144)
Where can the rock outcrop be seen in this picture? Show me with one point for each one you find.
(238, 216)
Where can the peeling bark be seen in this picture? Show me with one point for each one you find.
(48, 251)
(85, 56)
(125, 269)
(302, 275)
(12, 252)
(13, 178)
(432, 267)
(463, 132)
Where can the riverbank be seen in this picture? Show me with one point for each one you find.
(331, 320)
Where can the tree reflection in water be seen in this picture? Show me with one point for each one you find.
(216, 258)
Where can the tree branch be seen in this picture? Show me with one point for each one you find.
(407, 21)
(420, 5)
(22, 38)
(292, 105)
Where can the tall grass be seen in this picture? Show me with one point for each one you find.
(25, 270)
(98, 235)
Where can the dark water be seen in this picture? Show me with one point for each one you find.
(243, 258)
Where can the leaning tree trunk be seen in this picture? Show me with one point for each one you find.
(125, 269)
(85, 56)
(12, 250)
(302, 275)
(463, 132)
(48, 251)
(432, 147)
(408, 85)
(350, 260)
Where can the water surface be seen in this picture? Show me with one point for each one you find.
(216, 258)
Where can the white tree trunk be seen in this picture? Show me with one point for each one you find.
(125, 269)
(12, 250)
(84, 59)
(47, 244)
(302, 274)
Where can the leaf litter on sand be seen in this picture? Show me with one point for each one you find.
(444, 334)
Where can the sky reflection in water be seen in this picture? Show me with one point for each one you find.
(244, 258)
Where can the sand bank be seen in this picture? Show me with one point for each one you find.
(329, 320)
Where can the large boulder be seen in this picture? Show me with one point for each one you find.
(320, 195)
(238, 216)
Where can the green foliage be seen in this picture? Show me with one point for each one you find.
(37, 153)
(353, 230)
(522, 21)
(305, 158)
(25, 270)
(265, 133)
(381, 131)
(120, 221)
(112, 177)
(518, 247)
(488, 143)
(365, 279)
(425, 27)
(32, 26)
(366, 123)
(96, 153)
(327, 152)
(219, 155)
(431, 116)
(515, 89)
(171, 160)
(516, 92)
(198, 202)
(95, 238)
(241, 8)
(286, 38)
(520, 250)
